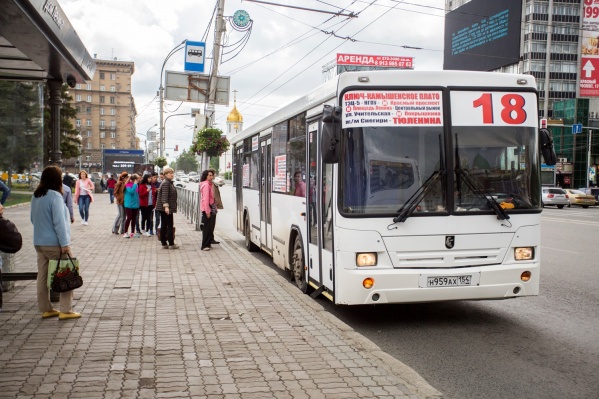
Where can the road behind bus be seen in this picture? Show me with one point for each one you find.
(541, 347)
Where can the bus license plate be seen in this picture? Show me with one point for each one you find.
(448, 281)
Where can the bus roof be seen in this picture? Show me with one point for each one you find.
(382, 78)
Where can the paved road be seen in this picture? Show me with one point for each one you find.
(541, 347)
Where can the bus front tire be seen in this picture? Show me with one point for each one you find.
(250, 246)
(298, 270)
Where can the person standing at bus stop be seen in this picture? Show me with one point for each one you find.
(166, 204)
(219, 205)
(208, 209)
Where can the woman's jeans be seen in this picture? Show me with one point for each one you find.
(84, 201)
(119, 222)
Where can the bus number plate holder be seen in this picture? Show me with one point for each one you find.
(463, 280)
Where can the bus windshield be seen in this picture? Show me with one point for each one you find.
(383, 166)
(500, 162)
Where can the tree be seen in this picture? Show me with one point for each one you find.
(20, 126)
(70, 144)
(160, 162)
(187, 161)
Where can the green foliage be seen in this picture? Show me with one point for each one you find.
(211, 141)
(20, 126)
(160, 162)
(69, 142)
(228, 175)
(187, 161)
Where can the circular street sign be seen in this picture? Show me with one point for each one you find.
(241, 18)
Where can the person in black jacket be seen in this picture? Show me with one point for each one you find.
(166, 204)
(10, 241)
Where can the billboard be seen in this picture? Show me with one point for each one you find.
(589, 59)
(117, 161)
(483, 35)
(383, 61)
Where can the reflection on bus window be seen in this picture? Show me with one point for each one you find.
(500, 164)
(385, 166)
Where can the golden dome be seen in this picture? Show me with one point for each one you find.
(234, 115)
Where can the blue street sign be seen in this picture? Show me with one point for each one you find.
(577, 128)
(195, 54)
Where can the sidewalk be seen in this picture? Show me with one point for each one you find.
(183, 324)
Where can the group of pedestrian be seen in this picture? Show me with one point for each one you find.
(52, 214)
(134, 198)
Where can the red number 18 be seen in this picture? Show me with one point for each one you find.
(512, 113)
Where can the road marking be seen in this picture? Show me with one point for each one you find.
(561, 250)
(582, 222)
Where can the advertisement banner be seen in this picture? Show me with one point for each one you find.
(392, 108)
(589, 58)
(386, 61)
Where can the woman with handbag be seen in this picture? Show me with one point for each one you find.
(84, 189)
(208, 209)
(51, 238)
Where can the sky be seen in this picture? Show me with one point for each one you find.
(280, 61)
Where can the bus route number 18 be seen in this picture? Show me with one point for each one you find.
(512, 112)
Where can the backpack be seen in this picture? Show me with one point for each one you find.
(10, 238)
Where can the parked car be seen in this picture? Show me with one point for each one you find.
(219, 181)
(594, 191)
(577, 197)
(555, 196)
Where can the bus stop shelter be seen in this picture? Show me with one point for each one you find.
(39, 44)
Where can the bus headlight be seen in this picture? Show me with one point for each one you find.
(524, 253)
(366, 259)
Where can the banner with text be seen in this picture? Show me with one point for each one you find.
(392, 108)
(589, 65)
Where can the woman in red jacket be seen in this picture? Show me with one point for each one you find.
(147, 202)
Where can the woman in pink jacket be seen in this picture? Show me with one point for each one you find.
(208, 208)
(84, 189)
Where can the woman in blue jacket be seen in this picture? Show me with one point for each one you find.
(51, 238)
(131, 203)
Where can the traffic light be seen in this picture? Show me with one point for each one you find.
(177, 147)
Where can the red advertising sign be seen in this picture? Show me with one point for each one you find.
(386, 61)
(589, 66)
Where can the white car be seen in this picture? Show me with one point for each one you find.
(219, 181)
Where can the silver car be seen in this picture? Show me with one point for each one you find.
(555, 196)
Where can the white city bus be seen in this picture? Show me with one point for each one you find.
(398, 186)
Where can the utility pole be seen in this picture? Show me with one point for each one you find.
(219, 31)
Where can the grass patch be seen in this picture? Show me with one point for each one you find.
(17, 198)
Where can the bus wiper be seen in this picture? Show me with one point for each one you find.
(412, 203)
(481, 192)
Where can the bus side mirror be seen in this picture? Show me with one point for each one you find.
(331, 134)
(546, 147)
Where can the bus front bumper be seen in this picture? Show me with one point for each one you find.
(433, 285)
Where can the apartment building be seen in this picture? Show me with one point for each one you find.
(105, 113)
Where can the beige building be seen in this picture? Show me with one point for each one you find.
(105, 113)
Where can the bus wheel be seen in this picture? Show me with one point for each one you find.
(298, 263)
(250, 246)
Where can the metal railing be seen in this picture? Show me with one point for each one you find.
(188, 203)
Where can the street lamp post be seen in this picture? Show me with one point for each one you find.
(161, 94)
(80, 148)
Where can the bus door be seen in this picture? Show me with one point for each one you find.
(238, 183)
(318, 215)
(265, 191)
